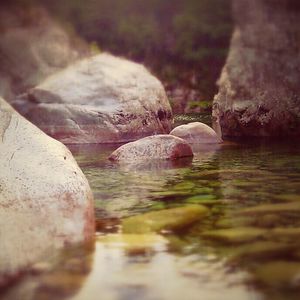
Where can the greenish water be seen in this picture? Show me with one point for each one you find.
(246, 247)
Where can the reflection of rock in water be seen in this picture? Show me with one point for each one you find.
(59, 278)
(157, 274)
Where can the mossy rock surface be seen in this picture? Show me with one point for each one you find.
(262, 250)
(167, 219)
(134, 242)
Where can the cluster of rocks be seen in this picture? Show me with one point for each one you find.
(181, 142)
(45, 200)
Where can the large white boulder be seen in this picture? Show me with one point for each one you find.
(45, 200)
(101, 99)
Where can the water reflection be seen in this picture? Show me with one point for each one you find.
(247, 247)
(159, 275)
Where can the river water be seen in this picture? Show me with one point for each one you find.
(246, 247)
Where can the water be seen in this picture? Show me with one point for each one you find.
(246, 247)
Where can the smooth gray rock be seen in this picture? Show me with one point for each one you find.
(101, 99)
(259, 91)
(45, 200)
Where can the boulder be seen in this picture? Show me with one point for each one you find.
(45, 200)
(196, 133)
(259, 91)
(171, 219)
(164, 147)
(32, 46)
(101, 99)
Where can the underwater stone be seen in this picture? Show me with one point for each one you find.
(167, 219)
(236, 235)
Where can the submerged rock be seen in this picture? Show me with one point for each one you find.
(101, 99)
(152, 147)
(45, 200)
(134, 242)
(272, 208)
(196, 133)
(167, 219)
(279, 274)
(236, 235)
(259, 91)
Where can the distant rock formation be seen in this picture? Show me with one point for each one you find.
(45, 200)
(259, 90)
(32, 46)
(100, 99)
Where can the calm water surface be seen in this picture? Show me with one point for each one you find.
(247, 247)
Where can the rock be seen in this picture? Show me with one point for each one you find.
(293, 207)
(279, 274)
(288, 233)
(46, 48)
(45, 200)
(236, 235)
(196, 133)
(134, 242)
(167, 219)
(262, 250)
(101, 99)
(259, 92)
(152, 147)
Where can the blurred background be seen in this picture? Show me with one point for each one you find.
(183, 42)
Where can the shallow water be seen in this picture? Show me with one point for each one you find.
(246, 247)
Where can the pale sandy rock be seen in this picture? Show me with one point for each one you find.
(45, 200)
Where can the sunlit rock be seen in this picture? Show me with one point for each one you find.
(153, 147)
(259, 85)
(101, 99)
(196, 133)
(45, 200)
(167, 219)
